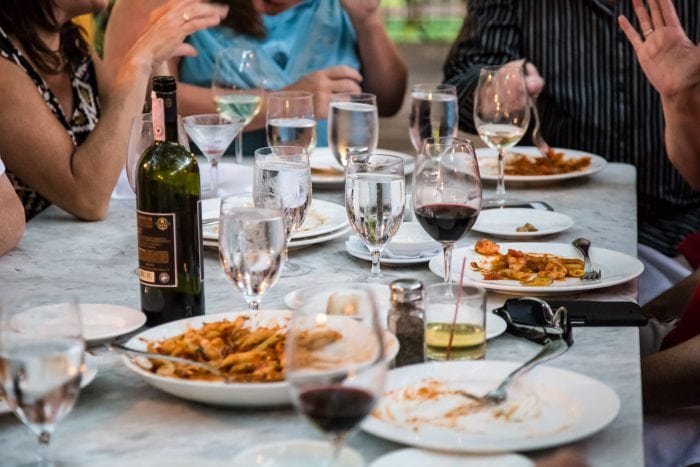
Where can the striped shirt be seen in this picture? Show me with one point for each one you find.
(596, 97)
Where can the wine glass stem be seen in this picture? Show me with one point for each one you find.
(44, 448)
(376, 255)
(337, 442)
(239, 148)
(447, 252)
(253, 305)
(214, 177)
(501, 185)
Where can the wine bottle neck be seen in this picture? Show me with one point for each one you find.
(164, 111)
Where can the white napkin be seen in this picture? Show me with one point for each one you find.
(356, 245)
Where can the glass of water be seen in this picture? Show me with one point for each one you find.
(353, 125)
(374, 202)
(434, 112)
(41, 362)
(252, 242)
(284, 172)
(291, 120)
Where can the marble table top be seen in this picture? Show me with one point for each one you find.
(119, 419)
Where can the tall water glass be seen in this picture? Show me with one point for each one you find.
(374, 203)
(353, 125)
(291, 120)
(434, 112)
(238, 85)
(41, 359)
(501, 115)
(284, 172)
(252, 242)
(446, 191)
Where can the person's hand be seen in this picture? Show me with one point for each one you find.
(669, 59)
(360, 11)
(325, 82)
(534, 83)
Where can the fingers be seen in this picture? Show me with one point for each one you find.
(342, 71)
(669, 13)
(345, 85)
(642, 15)
(657, 17)
(631, 33)
(185, 50)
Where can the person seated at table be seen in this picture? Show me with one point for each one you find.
(65, 121)
(321, 46)
(11, 213)
(596, 97)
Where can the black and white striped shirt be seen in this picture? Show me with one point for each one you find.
(596, 97)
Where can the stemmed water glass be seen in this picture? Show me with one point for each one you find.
(213, 133)
(238, 85)
(501, 114)
(353, 125)
(252, 241)
(284, 172)
(434, 112)
(335, 386)
(374, 203)
(41, 359)
(446, 191)
(291, 120)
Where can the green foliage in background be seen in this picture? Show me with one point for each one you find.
(413, 20)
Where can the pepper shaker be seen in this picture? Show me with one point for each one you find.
(407, 321)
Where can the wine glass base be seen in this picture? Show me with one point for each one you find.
(292, 269)
(298, 453)
(369, 278)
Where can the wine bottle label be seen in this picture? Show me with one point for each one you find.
(157, 248)
(158, 117)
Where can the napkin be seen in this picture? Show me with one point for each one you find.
(354, 244)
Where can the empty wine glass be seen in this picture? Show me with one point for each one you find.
(501, 114)
(374, 202)
(252, 242)
(41, 359)
(335, 386)
(353, 125)
(291, 120)
(446, 191)
(284, 172)
(238, 85)
(140, 138)
(213, 133)
(434, 112)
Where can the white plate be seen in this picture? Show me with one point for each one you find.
(488, 165)
(495, 325)
(616, 268)
(88, 377)
(323, 217)
(323, 159)
(504, 222)
(412, 457)
(294, 244)
(356, 248)
(411, 239)
(547, 407)
(220, 393)
(296, 453)
(102, 322)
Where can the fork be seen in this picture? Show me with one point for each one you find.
(589, 272)
(537, 138)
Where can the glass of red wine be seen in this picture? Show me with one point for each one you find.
(336, 367)
(447, 191)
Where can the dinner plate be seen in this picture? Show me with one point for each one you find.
(546, 407)
(325, 170)
(102, 322)
(504, 222)
(300, 243)
(220, 393)
(317, 296)
(412, 457)
(488, 165)
(323, 217)
(297, 453)
(356, 248)
(88, 377)
(616, 268)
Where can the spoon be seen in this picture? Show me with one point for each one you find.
(589, 273)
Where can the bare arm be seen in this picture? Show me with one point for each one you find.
(383, 68)
(671, 62)
(12, 214)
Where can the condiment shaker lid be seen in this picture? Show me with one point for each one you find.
(406, 290)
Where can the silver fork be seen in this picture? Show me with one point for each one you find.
(537, 138)
(589, 272)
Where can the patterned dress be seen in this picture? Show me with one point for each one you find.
(81, 123)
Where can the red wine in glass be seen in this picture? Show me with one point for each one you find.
(336, 409)
(446, 222)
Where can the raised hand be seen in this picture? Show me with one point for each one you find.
(669, 59)
(325, 82)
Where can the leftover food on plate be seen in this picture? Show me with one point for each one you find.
(527, 227)
(532, 269)
(552, 164)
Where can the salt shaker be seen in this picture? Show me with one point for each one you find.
(407, 321)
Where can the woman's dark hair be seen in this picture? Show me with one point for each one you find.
(23, 18)
(243, 18)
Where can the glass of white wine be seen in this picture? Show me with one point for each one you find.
(41, 361)
(501, 115)
(353, 125)
(238, 86)
(291, 120)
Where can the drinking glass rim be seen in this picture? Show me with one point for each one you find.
(361, 97)
(290, 95)
(495, 68)
(393, 159)
(192, 119)
(435, 87)
(294, 152)
(468, 290)
(447, 140)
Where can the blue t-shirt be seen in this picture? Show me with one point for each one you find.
(310, 36)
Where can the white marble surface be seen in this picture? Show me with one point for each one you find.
(120, 420)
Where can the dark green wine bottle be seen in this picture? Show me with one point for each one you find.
(168, 211)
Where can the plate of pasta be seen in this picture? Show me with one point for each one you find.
(541, 268)
(247, 348)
